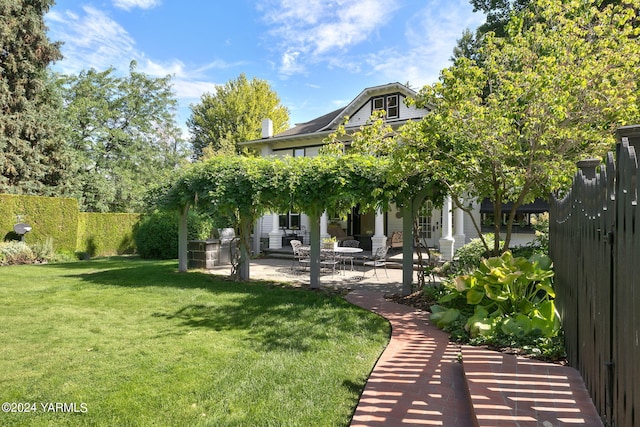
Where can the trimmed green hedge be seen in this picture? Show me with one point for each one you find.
(54, 217)
(97, 234)
(106, 233)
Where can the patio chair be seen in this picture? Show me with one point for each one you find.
(379, 259)
(344, 258)
(329, 259)
(299, 254)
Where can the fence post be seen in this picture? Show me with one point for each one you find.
(588, 167)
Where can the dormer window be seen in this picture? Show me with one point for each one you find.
(389, 104)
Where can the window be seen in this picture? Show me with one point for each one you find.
(390, 104)
(290, 221)
(294, 152)
(378, 104)
(392, 107)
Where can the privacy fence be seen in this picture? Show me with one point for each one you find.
(595, 246)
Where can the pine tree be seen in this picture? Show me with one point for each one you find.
(33, 159)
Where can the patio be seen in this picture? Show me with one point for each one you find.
(283, 269)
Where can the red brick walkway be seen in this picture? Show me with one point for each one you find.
(507, 390)
(418, 381)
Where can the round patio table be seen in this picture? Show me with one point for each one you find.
(348, 253)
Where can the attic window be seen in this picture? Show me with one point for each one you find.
(388, 103)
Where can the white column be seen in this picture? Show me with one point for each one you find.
(378, 239)
(458, 225)
(446, 241)
(324, 226)
(275, 235)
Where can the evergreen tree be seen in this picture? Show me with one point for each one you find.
(33, 159)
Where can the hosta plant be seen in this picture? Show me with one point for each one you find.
(514, 294)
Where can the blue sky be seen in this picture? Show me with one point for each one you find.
(317, 55)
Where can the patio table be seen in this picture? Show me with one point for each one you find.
(343, 250)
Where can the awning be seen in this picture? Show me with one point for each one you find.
(538, 206)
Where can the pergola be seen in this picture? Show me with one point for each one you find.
(244, 188)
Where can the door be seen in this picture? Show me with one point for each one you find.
(429, 225)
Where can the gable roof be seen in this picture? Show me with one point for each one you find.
(329, 122)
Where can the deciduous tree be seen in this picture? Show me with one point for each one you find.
(234, 114)
(549, 93)
(122, 131)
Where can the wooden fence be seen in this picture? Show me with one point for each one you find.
(595, 246)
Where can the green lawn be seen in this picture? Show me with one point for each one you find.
(133, 342)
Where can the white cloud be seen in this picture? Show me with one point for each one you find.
(92, 40)
(130, 4)
(289, 64)
(430, 35)
(315, 30)
(192, 89)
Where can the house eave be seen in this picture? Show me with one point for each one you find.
(288, 138)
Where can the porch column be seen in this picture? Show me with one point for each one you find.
(458, 225)
(275, 235)
(378, 239)
(447, 241)
(324, 226)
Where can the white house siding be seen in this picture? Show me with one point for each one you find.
(361, 116)
(407, 113)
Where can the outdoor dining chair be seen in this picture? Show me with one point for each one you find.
(329, 259)
(344, 258)
(299, 254)
(379, 259)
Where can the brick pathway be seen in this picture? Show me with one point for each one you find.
(418, 381)
(507, 390)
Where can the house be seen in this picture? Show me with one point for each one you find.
(446, 229)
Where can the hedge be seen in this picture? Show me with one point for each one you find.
(94, 233)
(106, 233)
(54, 217)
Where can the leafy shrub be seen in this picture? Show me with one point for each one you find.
(43, 251)
(512, 299)
(157, 234)
(471, 254)
(540, 244)
(16, 252)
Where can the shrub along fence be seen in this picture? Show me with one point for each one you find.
(58, 218)
(594, 241)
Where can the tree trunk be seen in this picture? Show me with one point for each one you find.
(314, 241)
(245, 252)
(407, 250)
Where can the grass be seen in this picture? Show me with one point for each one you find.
(133, 342)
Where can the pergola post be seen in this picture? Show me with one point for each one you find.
(183, 243)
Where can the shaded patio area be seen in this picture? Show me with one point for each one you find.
(286, 270)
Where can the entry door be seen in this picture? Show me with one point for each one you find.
(429, 220)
